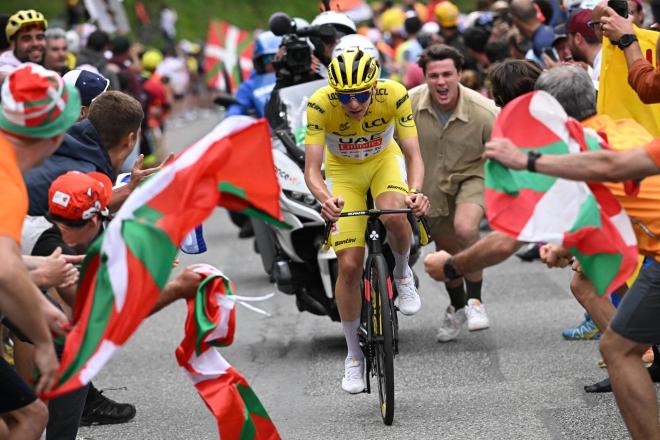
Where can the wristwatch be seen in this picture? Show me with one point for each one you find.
(532, 157)
(626, 40)
(450, 271)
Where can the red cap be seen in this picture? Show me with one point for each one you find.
(578, 23)
(78, 196)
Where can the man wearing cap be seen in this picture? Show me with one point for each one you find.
(77, 206)
(25, 32)
(585, 45)
(37, 108)
(89, 84)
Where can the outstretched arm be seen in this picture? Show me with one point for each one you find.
(602, 165)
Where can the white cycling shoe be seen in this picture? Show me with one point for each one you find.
(353, 380)
(451, 325)
(408, 300)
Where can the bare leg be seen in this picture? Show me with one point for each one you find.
(466, 227)
(347, 290)
(600, 309)
(632, 386)
(398, 227)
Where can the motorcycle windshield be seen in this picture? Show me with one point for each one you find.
(294, 99)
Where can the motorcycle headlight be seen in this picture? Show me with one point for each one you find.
(304, 198)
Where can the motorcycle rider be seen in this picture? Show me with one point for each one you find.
(323, 47)
(355, 116)
(253, 94)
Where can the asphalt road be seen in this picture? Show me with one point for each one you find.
(517, 380)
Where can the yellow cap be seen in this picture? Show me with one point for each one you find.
(447, 14)
(151, 59)
(392, 19)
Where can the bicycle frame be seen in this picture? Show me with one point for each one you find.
(379, 325)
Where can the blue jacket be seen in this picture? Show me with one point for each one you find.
(81, 150)
(253, 94)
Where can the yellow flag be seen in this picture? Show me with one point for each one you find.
(643, 209)
(615, 96)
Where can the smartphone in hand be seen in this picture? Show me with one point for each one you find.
(551, 53)
(619, 6)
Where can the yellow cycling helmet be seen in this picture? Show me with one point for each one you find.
(353, 70)
(151, 59)
(21, 18)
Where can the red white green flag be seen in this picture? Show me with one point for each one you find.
(127, 267)
(211, 323)
(585, 218)
(228, 55)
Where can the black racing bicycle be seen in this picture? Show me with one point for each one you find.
(379, 328)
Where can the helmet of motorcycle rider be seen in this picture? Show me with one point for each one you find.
(356, 41)
(265, 49)
(267, 43)
(341, 22)
(353, 71)
(300, 22)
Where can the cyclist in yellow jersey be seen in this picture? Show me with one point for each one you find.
(353, 121)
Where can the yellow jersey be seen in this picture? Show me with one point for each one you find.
(352, 140)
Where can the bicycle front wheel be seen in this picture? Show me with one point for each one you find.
(383, 337)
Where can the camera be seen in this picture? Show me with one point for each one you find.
(295, 66)
(297, 59)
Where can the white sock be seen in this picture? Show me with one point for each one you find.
(352, 341)
(401, 267)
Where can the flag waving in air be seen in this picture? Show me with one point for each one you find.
(584, 218)
(127, 267)
(228, 55)
(211, 323)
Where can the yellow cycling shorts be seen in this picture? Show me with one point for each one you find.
(352, 180)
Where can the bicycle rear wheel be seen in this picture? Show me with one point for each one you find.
(383, 337)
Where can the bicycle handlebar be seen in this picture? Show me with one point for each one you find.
(377, 213)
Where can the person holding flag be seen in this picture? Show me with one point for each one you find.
(634, 326)
(642, 76)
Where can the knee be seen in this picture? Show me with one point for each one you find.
(350, 270)
(608, 349)
(33, 417)
(396, 223)
(577, 289)
(466, 232)
(614, 347)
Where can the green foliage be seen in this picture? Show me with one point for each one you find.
(193, 14)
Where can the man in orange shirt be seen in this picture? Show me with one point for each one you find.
(37, 108)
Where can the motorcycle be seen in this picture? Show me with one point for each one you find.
(295, 258)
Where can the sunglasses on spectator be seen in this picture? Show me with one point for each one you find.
(361, 97)
(594, 25)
